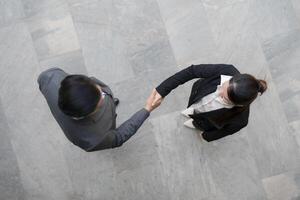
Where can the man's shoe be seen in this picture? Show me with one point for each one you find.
(116, 101)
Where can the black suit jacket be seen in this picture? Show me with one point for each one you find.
(210, 78)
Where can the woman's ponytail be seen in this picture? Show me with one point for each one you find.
(242, 91)
(262, 86)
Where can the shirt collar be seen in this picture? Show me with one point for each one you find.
(225, 78)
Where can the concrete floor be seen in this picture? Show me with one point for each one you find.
(133, 45)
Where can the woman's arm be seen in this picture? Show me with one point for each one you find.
(225, 131)
(189, 73)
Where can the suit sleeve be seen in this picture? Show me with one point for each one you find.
(130, 127)
(115, 138)
(223, 132)
(189, 73)
(44, 78)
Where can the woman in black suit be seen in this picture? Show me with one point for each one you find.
(220, 100)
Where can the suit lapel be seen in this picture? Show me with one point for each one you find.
(203, 88)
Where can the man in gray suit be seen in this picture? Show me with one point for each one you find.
(85, 109)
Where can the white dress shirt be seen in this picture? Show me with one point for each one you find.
(208, 103)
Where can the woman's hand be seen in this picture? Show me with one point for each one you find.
(157, 98)
(152, 102)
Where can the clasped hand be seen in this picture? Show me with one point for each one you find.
(153, 101)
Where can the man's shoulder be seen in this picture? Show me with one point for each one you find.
(50, 72)
(50, 75)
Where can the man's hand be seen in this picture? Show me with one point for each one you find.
(158, 98)
(152, 101)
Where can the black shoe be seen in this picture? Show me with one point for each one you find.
(116, 101)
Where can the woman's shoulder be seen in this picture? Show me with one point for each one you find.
(229, 69)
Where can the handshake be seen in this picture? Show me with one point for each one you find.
(153, 101)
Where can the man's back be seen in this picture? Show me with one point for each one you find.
(88, 132)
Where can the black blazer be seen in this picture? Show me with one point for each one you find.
(210, 78)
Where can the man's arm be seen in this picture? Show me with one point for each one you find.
(115, 138)
(130, 127)
(189, 73)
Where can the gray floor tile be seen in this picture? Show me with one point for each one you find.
(21, 58)
(40, 161)
(143, 183)
(143, 32)
(92, 175)
(224, 168)
(284, 68)
(182, 165)
(281, 43)
(283, 186)
(134, 45)
(10, 181)
(188, 30)
(295, 127)
(72, 63)
(10, 11)
(217, 4)
(125, 41)
(157, 57)
(296, 5)
(273, 17)
(236, 42)
(235, 172)
(92, 11)
(34, 7)
(53, 32)
(137, 152)
(104, 53)
(274, 146)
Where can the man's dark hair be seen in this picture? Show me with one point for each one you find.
(78, 96)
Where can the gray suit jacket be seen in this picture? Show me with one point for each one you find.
(96, 132)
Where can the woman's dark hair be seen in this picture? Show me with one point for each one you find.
(78, 96)
(242, 91)
(244, 88)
